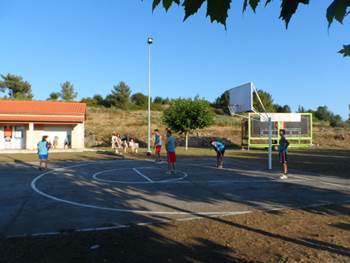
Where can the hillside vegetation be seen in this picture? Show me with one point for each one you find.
(102, 122)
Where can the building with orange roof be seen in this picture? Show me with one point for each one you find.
(23, 123)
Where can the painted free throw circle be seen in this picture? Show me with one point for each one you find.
(105, 208)
(98, 176)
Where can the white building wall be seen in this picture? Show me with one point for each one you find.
(61, 132)
(78, 136)
(33, 133)
(17, 140)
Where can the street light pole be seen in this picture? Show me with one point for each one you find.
(149, 42)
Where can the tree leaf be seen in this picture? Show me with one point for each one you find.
(337, 10)
(267, 2)
(167, 3)
(218, 10)
(155, 4)
(191, 7)
(253, 4)
(345, 51)
(245, 4)
(288, 9)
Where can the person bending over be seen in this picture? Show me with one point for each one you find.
(219, 148)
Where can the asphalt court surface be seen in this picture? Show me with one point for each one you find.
(107, 194)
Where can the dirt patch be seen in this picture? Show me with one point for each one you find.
(312, 235)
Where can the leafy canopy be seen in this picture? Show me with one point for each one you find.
(186, 115)
(16, 87)
(67, 91)
(217, 10)
(139, 99)
(120, 95)
(54, 96)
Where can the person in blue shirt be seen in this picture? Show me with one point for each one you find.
(43, 152)
(282, 152)
(219, 148)
(157, 144)
(171, 152)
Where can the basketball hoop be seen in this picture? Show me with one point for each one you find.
(241, 101)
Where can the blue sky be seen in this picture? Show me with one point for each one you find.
(95, 44)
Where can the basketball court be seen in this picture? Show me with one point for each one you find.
(100, 195)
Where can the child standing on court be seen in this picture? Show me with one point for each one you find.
(157, 144)
(282, 151)
(219, 148)
(43, 152)
(170, 148)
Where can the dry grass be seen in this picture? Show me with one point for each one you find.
(101, 123)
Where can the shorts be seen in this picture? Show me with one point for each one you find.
(171, 157)
(43, 157)
(158, 149)
(222, 152)
(283, 157)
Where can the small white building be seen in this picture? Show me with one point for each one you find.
(23, 123)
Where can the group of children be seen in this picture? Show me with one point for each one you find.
(122, 144)
(170, 147)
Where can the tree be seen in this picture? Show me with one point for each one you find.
(266, 99)
(186, 115)
(67, 91)
(301, 109)
(95, 101)
(336, 121)
(16, 87)
(217, 10)
(282, 109)
(120, 95)
(223, 101)
(160, 100)
(323, 114)
(54, 96)
(98, 100)
(139, 99)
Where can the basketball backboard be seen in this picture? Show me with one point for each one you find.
(288, 117)
(241, 98)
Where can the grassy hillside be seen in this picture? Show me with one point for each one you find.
(102, 122)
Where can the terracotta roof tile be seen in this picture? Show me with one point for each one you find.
(42, 107)
(37, 118)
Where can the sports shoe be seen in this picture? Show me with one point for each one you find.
(283, 176)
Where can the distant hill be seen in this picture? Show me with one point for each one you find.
(102, 122)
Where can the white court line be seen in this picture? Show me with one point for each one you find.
(194, 213)
(96, 177)
(162, 221)
(141, 174)
(37, 190)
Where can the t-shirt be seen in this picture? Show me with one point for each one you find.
(219, 146)
(283, 145)
(171, 144)
(42, 148)
(157, 140)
